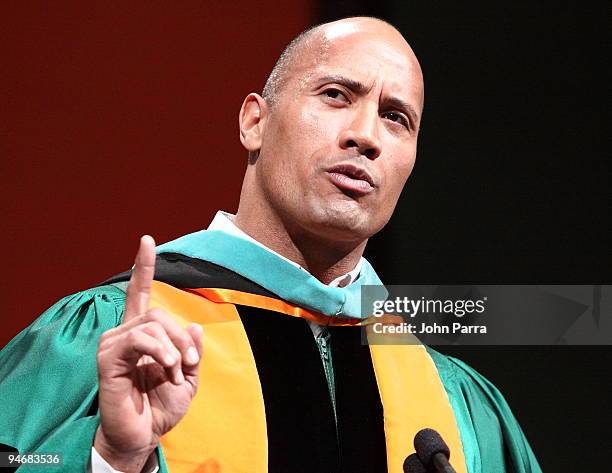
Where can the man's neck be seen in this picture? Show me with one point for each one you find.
(326, 260)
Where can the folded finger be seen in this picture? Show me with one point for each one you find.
(132, 345)
(196, 333)
(180, 337)
(157, 331)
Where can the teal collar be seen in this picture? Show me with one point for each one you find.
(274, 273)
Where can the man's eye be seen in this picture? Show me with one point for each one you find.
(335, 94)
(397, 118)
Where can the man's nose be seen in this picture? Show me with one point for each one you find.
(362, 133)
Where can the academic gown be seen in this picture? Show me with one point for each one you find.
(264, 403)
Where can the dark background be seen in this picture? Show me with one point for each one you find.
(121, 119)
(512, 186)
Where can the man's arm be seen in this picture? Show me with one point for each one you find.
(48, 379)
(99, 465)
(147, 373)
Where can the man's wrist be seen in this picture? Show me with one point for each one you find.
(131, 461)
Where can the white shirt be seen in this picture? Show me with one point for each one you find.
(224, 222)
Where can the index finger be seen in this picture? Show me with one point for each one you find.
(139, 288)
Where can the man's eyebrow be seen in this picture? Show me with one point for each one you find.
(361, 89)
(403, 106)
(358, 87)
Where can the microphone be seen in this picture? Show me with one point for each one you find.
(433, 451)
(413, 464)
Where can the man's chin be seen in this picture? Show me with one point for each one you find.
(345, 223)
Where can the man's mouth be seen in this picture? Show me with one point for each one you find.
(351, 179)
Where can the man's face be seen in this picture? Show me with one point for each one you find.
(341, 139)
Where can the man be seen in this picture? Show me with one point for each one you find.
(331, 144)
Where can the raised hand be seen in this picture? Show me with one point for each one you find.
(147, 372)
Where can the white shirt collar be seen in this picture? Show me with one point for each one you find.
(224, 222)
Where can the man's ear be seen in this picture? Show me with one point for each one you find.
(252, 121)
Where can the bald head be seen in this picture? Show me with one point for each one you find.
(316, 40)
(334, 140)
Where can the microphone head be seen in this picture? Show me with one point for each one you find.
(427, 443)
(412, 464)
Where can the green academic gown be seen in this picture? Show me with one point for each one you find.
(48, 376)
